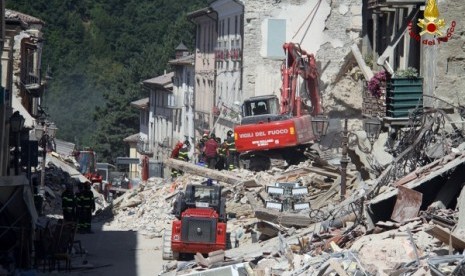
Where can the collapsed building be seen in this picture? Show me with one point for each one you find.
(403, 216)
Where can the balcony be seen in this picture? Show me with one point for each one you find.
(144, 148)
(33, 86)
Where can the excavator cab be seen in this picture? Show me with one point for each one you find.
(260, 108)
(199, 196)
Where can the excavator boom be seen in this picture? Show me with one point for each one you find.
(270, 128)
(299, 64)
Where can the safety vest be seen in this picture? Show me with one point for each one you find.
(231, 144)
(68, 200)
(222, 151)
(86, 200)
(183, 154)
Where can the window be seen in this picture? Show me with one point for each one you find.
(222, 28)
(198, 36)
(236, 22)
(229, 26)
(204, 35)
(276, 36)
(171, 100)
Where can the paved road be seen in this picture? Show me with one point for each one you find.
(113, 252)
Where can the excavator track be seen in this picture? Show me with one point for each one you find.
(167, 253)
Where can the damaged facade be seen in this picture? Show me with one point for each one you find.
(403, 209)
(21, 74)
(21, 90)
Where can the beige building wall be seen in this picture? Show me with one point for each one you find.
(322, 27)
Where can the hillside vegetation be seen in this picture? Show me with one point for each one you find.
(96, 53)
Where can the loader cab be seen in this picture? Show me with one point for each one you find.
(260, 109)
(200, 196)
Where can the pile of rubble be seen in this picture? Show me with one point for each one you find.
(403, 212)
(402, 216)
(58, 173)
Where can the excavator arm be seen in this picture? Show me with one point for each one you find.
(299, 63)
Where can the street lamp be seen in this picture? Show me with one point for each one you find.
(44, 133)
(16, 125)
(372, 127)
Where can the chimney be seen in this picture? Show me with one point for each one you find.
(181, 50)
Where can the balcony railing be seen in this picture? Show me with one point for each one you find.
(32, 85)
(144, 148)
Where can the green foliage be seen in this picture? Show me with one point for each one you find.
(410, 73)
(98, 52)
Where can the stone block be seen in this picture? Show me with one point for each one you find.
(356, 23)
(356, 10)
(343, 9)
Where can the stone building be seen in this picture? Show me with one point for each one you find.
(204, 68)
(21, 74)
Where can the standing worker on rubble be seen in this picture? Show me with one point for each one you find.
(87, 206)
(211, 147)
(200, 147)
(222, 152)
(233, 155)
(68, 203)
(175, 154)
(182, 153)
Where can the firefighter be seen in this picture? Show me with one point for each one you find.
(181, 154)
(68, 203)
(211, 154)
(184, 151)
(233, 155)
(79, 208)
(87, 206)
(175, 154)
(222, 152)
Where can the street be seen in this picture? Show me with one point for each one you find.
(114, 252)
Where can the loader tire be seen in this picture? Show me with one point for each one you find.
(167, 253)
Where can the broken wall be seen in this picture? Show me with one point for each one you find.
(451, 55)
(325, 28)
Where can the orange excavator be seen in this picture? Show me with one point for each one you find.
(281, 129)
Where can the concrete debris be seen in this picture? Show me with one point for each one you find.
(395, 219)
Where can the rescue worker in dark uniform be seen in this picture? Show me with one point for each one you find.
(233, 155)
(87, 202)
(79, 208)
(222, 151)
(68, 203)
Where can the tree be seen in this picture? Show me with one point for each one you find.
(99, 51)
